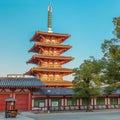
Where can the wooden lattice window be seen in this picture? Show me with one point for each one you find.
(55, 102)
(113, 101)
(100, 101)
(71, 102)
(85, 101)
(36, 103)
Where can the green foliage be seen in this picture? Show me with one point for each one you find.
(116, 22)
(111, 49)
(86, 82)
(87, 78)
(110, 89)
(92, 73)
(111, 52)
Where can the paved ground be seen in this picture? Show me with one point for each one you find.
(21, 116)
(97, 115)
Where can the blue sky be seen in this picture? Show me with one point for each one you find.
(88, 21)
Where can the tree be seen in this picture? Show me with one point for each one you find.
(116, 22)
(86, 83)
(111, 52)
(91, 73)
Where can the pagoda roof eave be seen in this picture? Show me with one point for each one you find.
(38, 33)
(35, 58)
(36, 46)
(34, 71)
(50, 84)
(52, 57)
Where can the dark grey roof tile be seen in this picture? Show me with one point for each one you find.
(20, 82)
(54, 91)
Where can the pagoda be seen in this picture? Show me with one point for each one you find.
(48, 48)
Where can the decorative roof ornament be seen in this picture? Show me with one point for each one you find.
(50, 18)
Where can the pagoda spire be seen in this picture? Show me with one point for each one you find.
(49, 18)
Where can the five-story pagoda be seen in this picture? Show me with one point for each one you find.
(48, 58)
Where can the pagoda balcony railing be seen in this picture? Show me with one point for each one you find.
(50, 54)
(51, 79)
(50, 66)
(48, 44)
(51, 42)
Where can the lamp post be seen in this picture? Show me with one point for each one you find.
(48, 106)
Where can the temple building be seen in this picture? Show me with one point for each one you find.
(49, 61)
(47, 90)
(20, 88)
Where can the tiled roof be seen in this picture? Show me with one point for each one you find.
(117, 91)
(63, 91)
(6, 82)
(54, 91)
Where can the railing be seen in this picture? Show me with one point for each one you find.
(75, 107)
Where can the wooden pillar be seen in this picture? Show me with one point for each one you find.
(64, 102)
(32, 104)
(106, 101)
(29, 101)
(48, 103)
(118, 100)
(79, 103)
(93, 103)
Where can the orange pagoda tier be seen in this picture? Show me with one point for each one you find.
(49, 60)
